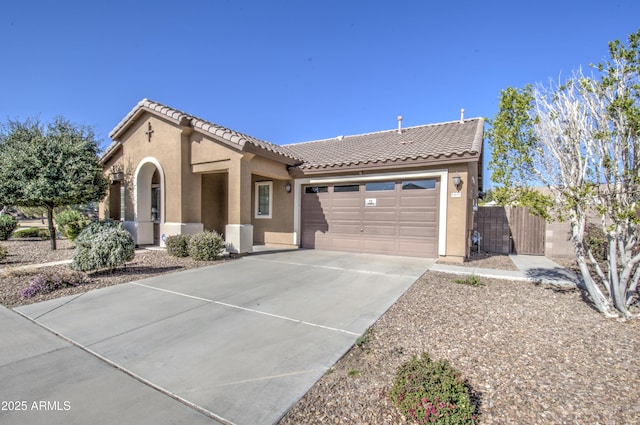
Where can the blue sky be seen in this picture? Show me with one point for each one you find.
(292, 71)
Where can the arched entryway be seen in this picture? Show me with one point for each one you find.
(149, 203)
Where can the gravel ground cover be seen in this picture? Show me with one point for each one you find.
(15, 277)
(532, 354)
(487, 260)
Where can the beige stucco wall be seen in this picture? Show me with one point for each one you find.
(279, 228)
(214, 202)
(105, 209)
(165, 148)
(209, 155)
(460, 211)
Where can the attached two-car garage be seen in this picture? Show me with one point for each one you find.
(397, 217)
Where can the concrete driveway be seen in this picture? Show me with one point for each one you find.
(236, 343)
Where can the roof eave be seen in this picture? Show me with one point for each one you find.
(146, 105)
(303, 170)
(129, 119)
(272, 155)
(109, 152)
(478, 138)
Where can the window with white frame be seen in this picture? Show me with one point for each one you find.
(264, 199)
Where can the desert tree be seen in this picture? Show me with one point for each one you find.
(49, 166)
(580, 139)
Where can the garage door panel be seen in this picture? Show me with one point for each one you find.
(317, 240)
(345, 229)
(315, 216)
(418, 201)
(380, 231)
(378, 247)
(345, 243)
(389, 202)
(416, 216)
(425, 216)
(345, 215)
(400, 222)
(410, 248)
(341, 201)
(380, 216)
(322, 242)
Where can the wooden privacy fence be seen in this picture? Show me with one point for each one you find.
(508, 230)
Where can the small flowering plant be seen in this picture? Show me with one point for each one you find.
(52, 281)
(433, 393)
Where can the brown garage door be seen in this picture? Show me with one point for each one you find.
(388, 217)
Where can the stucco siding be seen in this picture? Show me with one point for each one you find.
(207, 154)
(279, 228)
(214, 202)
(458, 207)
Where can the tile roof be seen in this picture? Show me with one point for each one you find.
(433, 141)
(226, 134)
(453, 139)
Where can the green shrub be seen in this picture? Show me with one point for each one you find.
(103, 245)
(206, 246)
(70, 223)
(178, 245)
(471, 280)
(363, 340)
(432, 392)
(8, 224)
(32, 232)
(3, 252)
(354, 373)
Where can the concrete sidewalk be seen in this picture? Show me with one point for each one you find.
(532, 268)
(46, 379)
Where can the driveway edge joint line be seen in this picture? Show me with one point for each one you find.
(132, 374)
(262, 378)
(251, 310)
(173, 292)
(290, 319)
(59, 306)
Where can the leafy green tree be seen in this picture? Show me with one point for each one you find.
(581, 139)
(49, 166)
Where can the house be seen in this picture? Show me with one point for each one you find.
(404, 191)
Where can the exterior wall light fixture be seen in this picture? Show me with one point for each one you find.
(457, 181)
(287, 187)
